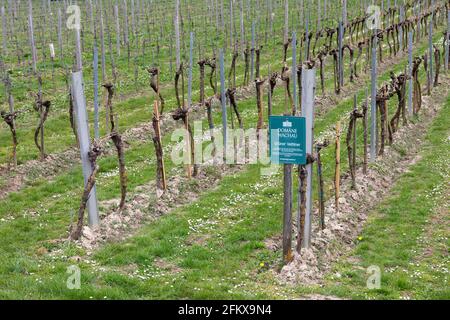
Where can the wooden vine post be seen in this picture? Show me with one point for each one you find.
(302, 186)
(287, 213)
(194, 160)
(320, 189)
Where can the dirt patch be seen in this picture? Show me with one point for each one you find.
(344, 226)
(273, 244)
(196, 239)
(145, 207)
(166, 266)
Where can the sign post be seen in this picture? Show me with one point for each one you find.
(288, 147)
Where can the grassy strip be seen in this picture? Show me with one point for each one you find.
(22, 238)
(408, 235)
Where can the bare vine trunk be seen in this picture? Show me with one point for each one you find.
(95, 152)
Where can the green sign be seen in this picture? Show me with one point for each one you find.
(287, 140)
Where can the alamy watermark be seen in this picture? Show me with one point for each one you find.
(373, 22)
(74, 17)
(374, 279)
(74, 280)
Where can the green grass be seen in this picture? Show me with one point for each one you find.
(219, 257)
(407, 236)
(214, 247)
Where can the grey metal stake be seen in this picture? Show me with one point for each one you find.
(116, 14)
(60, 44)
(78, 56)
(96, 99)
(177, 34)
(410, 80)
(79, 104)
(306, 38)
(242, 28)
(308, 95)
(125, 18)
(286, 21)
(271, 17)
(223, 101)
(340, 54)
(344, 12)
(373, 120)
(133, 21)
(4, 31)
(103, 54)
(401, 29)
(32, 42)
(418, 25)
(231, 25)
(91, 15)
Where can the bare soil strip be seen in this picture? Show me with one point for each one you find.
(344, 226)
